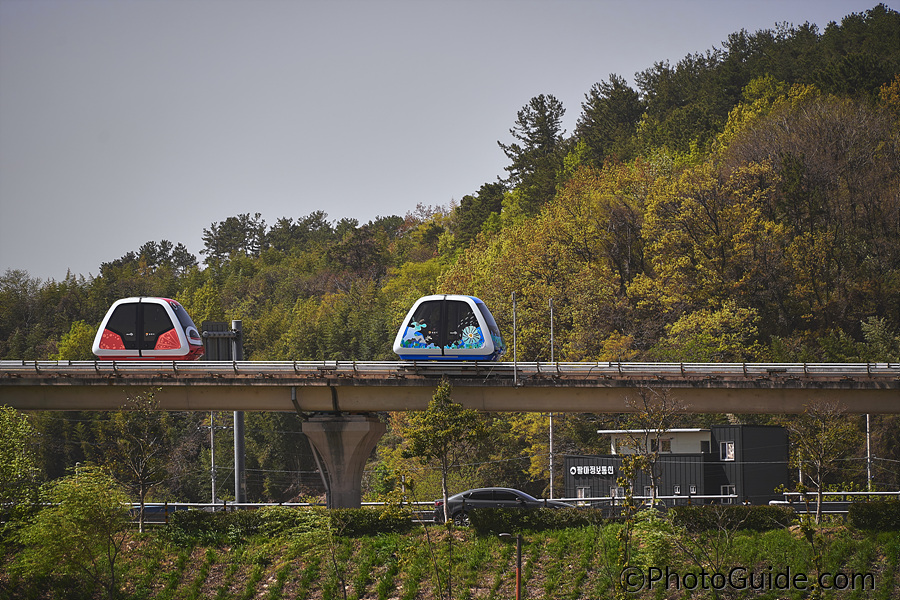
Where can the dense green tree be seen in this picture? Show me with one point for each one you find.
(537, 155)
(18, 468)
(19, 312)
(80, 532)
(152, 256)
(860, 53)
(355, 324)
(64, 439)
(155, 269)
(705, 230)
(474, 211)
(291, 236)
(420, 235)
(299, 340)
(77, 343)
(728, 334)
(681, 109)
(241, 234)
(363, 252)
(882, 342)
(203, 304)
(609, 118)
(837, 164)
(407, 284)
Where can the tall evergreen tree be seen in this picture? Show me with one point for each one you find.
(473, 211)
(537, 157)
(241, 234)
(610, 115)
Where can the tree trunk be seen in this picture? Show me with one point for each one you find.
(444, 470)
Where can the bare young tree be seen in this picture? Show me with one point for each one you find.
(138, 446)
(654, 412)
(822, 436)
(445, 432)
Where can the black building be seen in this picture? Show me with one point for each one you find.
(749, 461)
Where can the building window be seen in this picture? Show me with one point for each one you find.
(616, 492)
(661, 445)
(624, 445)
(726, 451)
(693, 489)
(676, 490)
(582, 492)
(727, 490)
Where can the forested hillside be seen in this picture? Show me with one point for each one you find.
(741, 204)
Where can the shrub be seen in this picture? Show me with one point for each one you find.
(190, 527)
(653, 534)
(352, 522)
(285, 520)
(733, 517)
(487, 521)
(883, 515)
(196, 527)
(212, 528)
(79, 534)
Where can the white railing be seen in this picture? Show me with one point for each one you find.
(804, 503)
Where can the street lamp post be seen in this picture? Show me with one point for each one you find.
(518, 562)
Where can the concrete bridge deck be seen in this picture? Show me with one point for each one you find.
(350, 386)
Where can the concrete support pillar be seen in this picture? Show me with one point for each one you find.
(344, 442)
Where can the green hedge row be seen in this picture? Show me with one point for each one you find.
(353, 522)
(883, 515)
(485, 521)
(212, 528)
(732, 517)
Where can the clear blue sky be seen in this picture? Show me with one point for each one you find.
(124, 122)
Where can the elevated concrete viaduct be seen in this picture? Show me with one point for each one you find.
(342, 396)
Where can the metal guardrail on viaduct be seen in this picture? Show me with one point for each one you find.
(339, 386)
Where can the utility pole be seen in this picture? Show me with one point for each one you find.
(224, 343)
(240, 490)
(552, 360)
(868, 454)
(212, 452)
(515, 356)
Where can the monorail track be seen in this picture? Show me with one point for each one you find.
(337, 386)
(505, 371)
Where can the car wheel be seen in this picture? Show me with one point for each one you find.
(461, 519)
